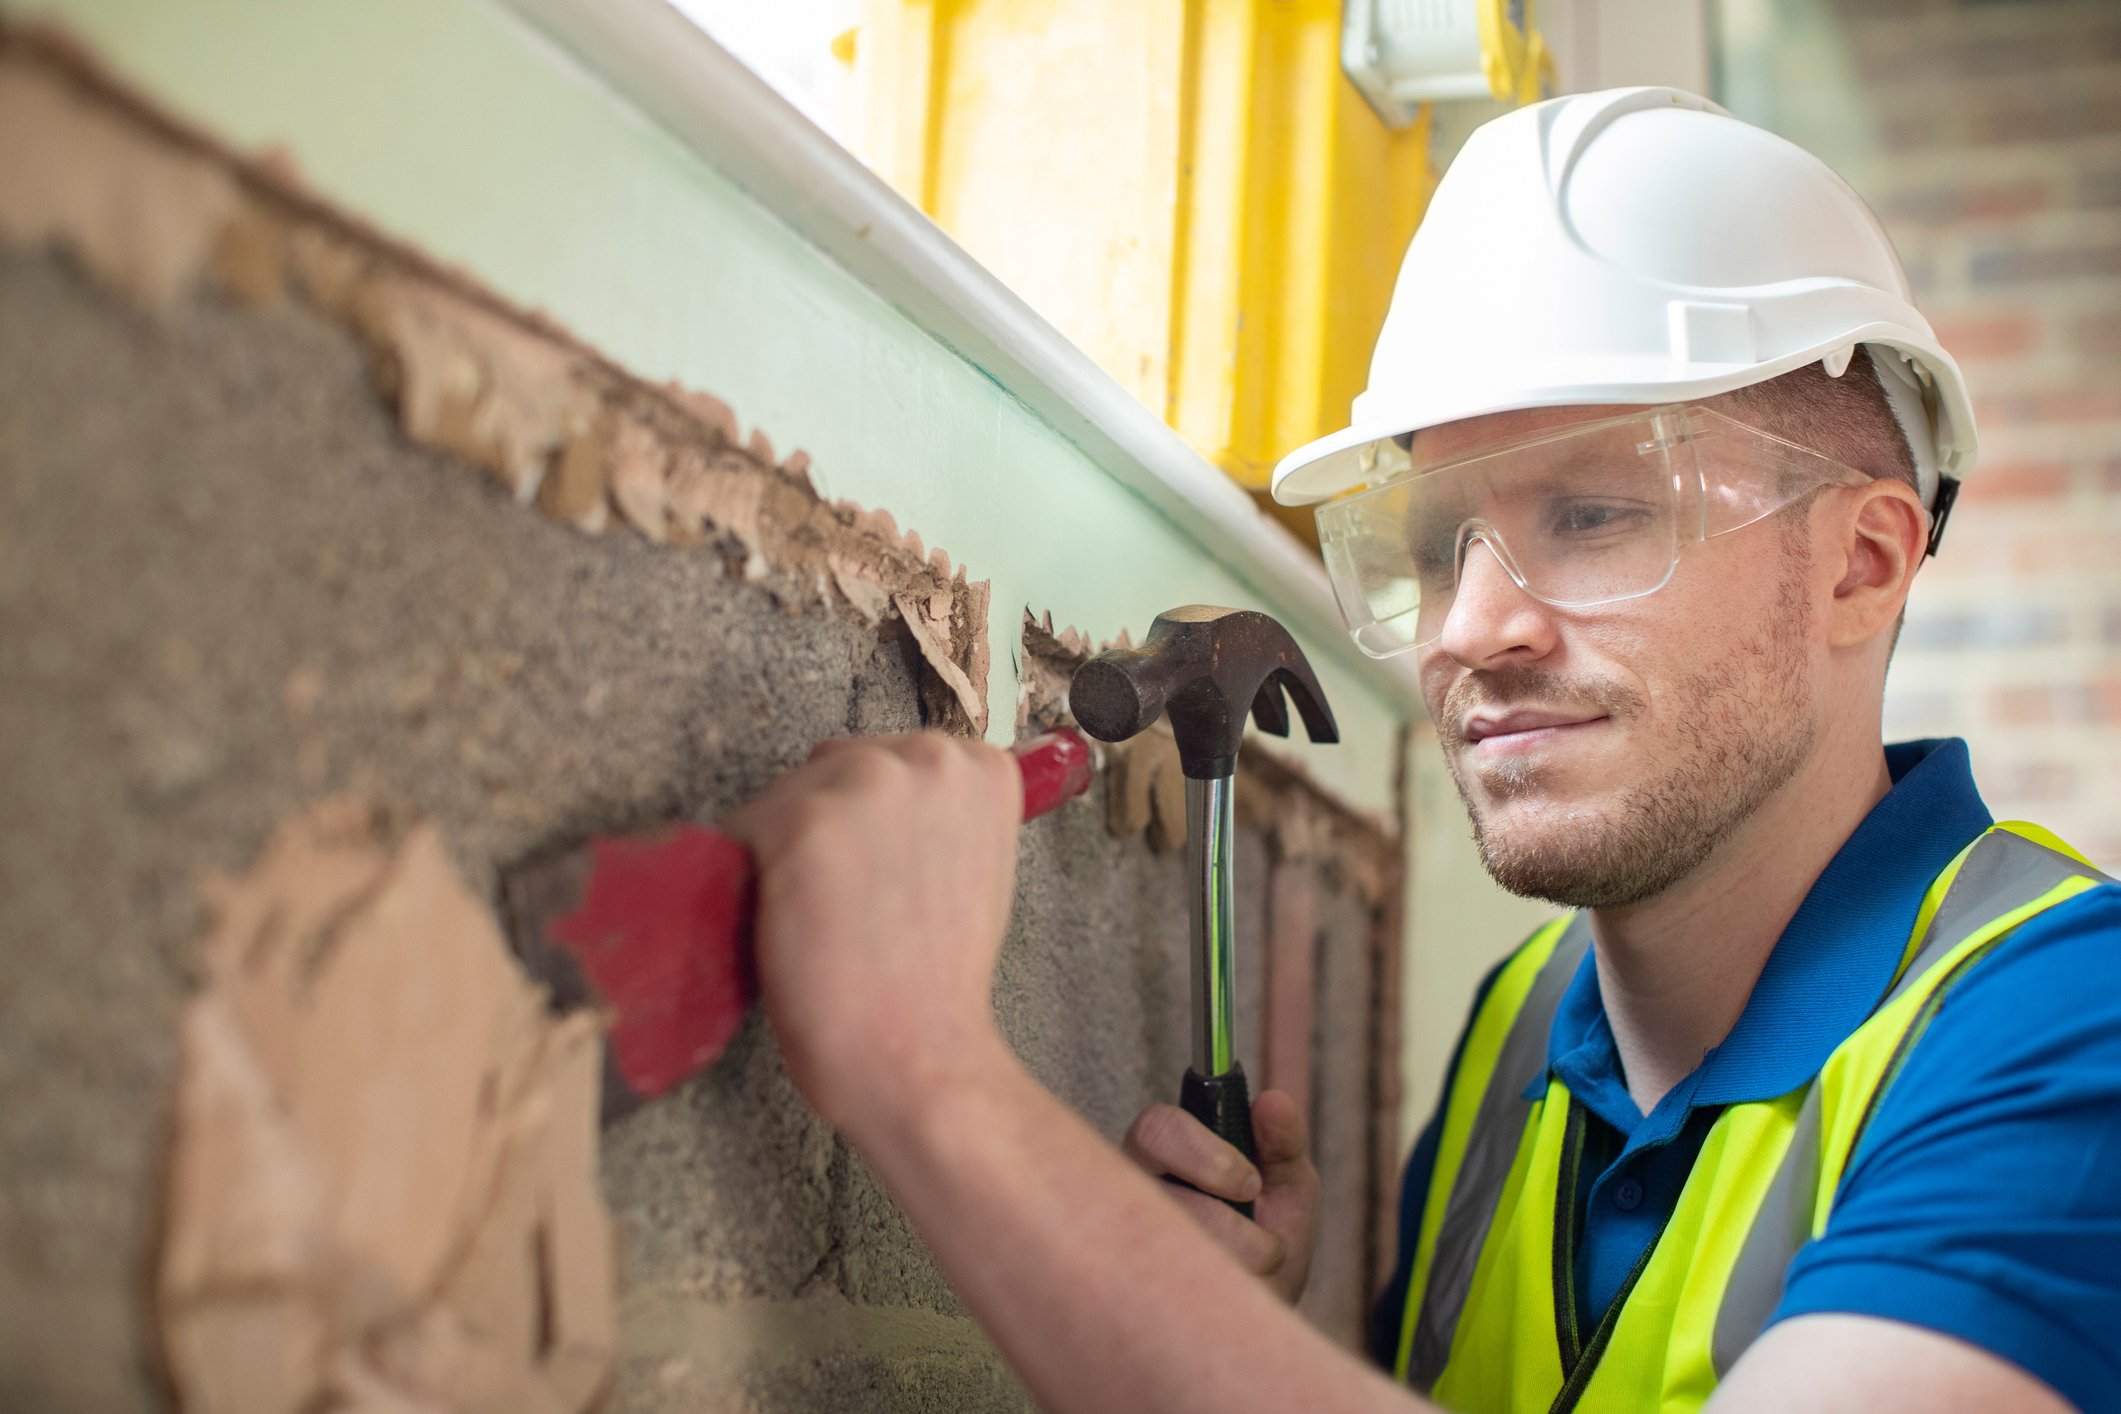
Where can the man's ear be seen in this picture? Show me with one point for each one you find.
(1879, 539)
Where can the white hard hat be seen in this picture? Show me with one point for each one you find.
(1638, 246)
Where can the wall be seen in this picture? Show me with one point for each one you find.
(498, 151)
(1612, 43)
(293, 512)
(1988, 139)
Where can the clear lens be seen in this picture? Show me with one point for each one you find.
(1749, 475)
(1584, 516)
(1587, 515)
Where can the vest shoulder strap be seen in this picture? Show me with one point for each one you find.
(2011, 869)
(1491, 1148)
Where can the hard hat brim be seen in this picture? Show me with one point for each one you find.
(1325, 468)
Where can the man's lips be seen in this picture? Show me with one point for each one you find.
(1522, 727)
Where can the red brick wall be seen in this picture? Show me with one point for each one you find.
(1987, 135)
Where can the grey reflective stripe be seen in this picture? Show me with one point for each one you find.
(1491, 1148)
(2005, 871)
(1781, 1226)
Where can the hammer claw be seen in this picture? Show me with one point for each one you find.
(1269, 713)
(1205, 668)
(1310, 700)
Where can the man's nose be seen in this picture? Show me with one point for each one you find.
(1491, 620)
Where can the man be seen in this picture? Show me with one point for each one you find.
(1814, 1104)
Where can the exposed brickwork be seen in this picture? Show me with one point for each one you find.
(1988, 138)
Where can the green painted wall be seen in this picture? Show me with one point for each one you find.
(454, 125)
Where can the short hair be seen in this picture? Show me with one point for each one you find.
(1846, 418)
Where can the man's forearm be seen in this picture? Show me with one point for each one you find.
(1098, 1289)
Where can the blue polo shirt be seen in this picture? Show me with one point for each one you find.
(1984, 1201)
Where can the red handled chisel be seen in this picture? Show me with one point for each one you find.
(654, 930)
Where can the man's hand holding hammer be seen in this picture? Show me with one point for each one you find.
(886, 870)
(885, 878)
(876, 948)
(1275, 1242)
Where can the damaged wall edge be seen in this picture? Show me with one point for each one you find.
(504, 153)
(383, 1155)
(149, 208)
(678, 75)
(593, 448)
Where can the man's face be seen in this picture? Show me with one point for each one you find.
(1603, 752)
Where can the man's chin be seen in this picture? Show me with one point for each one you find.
(1525, 794)
(1568, 852)
(1539, 828)
(1572, 868)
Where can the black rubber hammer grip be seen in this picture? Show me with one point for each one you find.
(1224, 1104)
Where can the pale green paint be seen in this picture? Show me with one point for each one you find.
(453, 125)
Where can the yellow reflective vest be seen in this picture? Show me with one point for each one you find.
(1490, 1324)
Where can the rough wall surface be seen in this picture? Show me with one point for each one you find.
(229, 584)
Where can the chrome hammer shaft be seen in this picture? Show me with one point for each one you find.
(1210, 827)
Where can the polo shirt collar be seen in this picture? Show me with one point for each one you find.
(1827, 972)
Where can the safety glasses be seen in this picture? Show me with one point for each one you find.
(1590, 514)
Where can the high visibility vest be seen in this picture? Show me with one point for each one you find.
(1490, 1324)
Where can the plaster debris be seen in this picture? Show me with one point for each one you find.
(250, 258)
(869, 598)
(471, 382)
(149, 210)
(77, 176)
(638, 465)
(928, 619)
(1147, 789)
(1045, 666)
(726, 494)
(382, 1185)
(575, 489)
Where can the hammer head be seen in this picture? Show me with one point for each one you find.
(1207, 667)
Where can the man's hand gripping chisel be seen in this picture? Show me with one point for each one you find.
(1207, 667)
(654, 929)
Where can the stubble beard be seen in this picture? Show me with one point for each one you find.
(1745, 727)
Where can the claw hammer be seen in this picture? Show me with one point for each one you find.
(1207, 668)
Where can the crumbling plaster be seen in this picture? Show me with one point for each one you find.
(262, 649)
(461, 127)
(497, 153)
(233, 585)
(150, 211)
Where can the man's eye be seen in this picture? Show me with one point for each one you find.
(1589, 518)
(1435, 554)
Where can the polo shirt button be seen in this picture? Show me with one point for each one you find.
(1627, 1195)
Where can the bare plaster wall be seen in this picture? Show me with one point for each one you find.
(231, 583)
(208, 511)
(228, 586)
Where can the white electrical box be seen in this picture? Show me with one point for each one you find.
(1404, 53)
